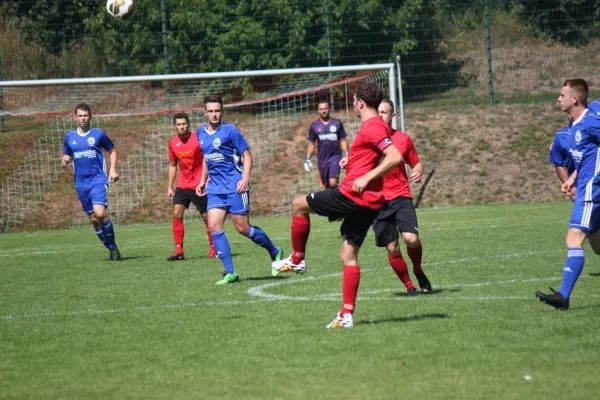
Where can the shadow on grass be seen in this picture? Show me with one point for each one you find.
(128, 258)
(265, 278)
(432, 293)
(411, 318)
(595, 274)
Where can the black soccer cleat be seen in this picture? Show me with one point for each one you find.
(114, 254)
(555, 299)
(424, 283)
(176, 256)
(412, 292)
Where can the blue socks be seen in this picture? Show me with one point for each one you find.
(571, 271)
(259, 237)
(109, 234)
(101, 237)
(223, 249)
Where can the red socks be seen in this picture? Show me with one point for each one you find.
(300, 232)
(210, 239)
(178, 233)
(350, 283)
(416, 254)
(401, 269)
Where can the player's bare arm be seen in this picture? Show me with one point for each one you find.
(568, 185)
(391, 159)
(172, 174)
(562, 173)
(201, 188)
(244, 184)
(113, 176)
(66, 159)
(417, 172)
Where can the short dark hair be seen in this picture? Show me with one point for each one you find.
(323, 102)
(181, 116)
(83, 107)
(213, 98)
(388, 101)
(370, 93)
(580, 87)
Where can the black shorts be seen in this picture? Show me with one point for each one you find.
(187, 196)
(397, 215)
(333, 204)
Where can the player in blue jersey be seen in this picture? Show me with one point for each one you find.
(594, 107)
(561, 157)
(585, 217)
(330, 135)
(226, 181)
(83, 146)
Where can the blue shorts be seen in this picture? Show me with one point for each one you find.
(90, 196)
(234, 203)
(330, 170)
(586, 210)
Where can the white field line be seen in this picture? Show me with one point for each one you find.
(166, 243)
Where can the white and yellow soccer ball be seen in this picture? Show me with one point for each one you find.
(120, 9)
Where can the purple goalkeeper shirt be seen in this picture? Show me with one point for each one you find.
(327, 135)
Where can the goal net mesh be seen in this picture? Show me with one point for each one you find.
(273, 112)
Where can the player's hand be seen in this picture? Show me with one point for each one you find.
(65, 160)
(572, 193)
(201, 189)
(307, 164)
(566, 187)
(243, 186)
(170, 193)
(415, 176)
(344, 162)
(360, 184)
(113, 177)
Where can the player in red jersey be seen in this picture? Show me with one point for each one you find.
(398, 213)
(184, 150)
(357, 200)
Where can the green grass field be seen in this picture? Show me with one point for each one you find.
(75, 325)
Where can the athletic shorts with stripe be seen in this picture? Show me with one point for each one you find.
(586, 210)
(334, 205)
(397, 215)
(233, 203)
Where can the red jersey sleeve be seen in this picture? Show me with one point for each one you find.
(172, 156)
(411, 157)
(379, 135)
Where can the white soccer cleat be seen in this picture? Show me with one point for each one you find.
(340, 321)
(286, 265)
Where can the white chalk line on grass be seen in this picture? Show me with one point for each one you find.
(165, 243)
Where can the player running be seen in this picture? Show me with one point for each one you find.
(330, 135)
(585, 217)
(357, 200)
(184, 150)
(398, 213)
(226, 182)
(83, 146)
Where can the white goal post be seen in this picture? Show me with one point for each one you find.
(273, 109)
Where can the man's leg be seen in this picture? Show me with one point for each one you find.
(350, 282)
(98, 228)
(107, 230)
(333, 173)
(571, 271)
(257, 235)
(86, 203)
(414, 248)
(216, 219)
(178, 231)
(212, 253)
(201, 203)
(399, 266)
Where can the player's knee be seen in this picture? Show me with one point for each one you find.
(100, 214)
(94, 220)
(410, 239)
(393, 249)
(300, 206)
(243, 228)
(178, 214)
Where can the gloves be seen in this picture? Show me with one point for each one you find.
(307, 164)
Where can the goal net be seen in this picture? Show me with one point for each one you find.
(272, 110)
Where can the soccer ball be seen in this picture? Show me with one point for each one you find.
(120, 9)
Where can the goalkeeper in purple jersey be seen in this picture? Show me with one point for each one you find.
(83, 146)
(226, 181)
(585, 217)
(330, 135)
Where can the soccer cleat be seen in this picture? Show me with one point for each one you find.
(114, 254)
(287, 265)
(412, 292)
(341, 321)
(555, 299)
(176, 256)
(212, 253)
(229, 277)
(277, 257)
(424, 283)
